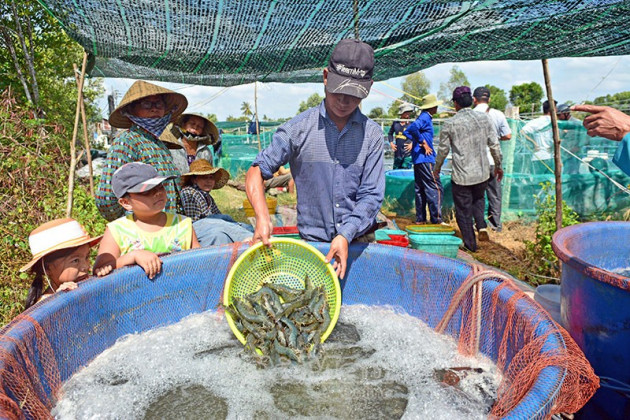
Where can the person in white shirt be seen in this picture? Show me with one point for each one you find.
(481, 99)
(539, 132)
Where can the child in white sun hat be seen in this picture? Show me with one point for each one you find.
(61, 258)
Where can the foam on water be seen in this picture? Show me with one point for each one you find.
(396, 353)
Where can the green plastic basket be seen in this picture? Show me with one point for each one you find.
(446, 245)
(383, 234)
(431, 229)
(287, 262)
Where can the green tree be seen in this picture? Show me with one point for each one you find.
(36, 58)
(498, 100)
(212, 117)
(312, 101)
(415, 86)
(246, 109)
(457, 78)
(376, 113)
(526, 96)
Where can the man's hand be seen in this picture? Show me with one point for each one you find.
(262, 232)
(436, 173)
(427, 149)
(149, 261)
(338, 251)
(408, 147)
(605, 121)
(393, 146)
(498, 173)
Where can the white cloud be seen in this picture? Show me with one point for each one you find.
(574, 79)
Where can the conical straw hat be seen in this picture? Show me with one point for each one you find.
(175, 102)
(169, 137)
(209, 130)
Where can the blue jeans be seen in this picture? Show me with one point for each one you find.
(220, 229)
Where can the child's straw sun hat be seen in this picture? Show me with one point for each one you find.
(55, 235)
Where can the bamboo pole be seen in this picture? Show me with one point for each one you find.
(556, 145)
(73, 157)
(256, 112)
(85, 133)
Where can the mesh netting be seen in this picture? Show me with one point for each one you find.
(543, 370)
(224, 43)
(591, 183)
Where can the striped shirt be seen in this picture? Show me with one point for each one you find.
(197, 203)
(135, 145)
(338, 174)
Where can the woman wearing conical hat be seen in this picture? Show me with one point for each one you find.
(195, 134)
(145, 111)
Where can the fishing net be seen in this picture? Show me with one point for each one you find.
(225, 43)
(543, 370)
(591, 184)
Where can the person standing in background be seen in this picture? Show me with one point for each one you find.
(481, 99)
(399, 143)
(428, 187)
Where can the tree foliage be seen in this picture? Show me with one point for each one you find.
(36, 61)
(376, 113)
(415, 86)
(527, 96)
(246, 109)
(498, 99)
(457, 78)
(312, 101)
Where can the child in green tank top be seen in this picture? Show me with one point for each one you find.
(147, 231)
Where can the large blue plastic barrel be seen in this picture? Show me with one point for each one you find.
(595, 308)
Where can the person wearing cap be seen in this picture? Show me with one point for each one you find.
(467, 135)
(428, 187)
(400, 144)
(335, 154)
(211, 226)
(145, 110)
(481, 101)
(60, 258)
(147, 230)
(195, 134)
(611, 124)
(539, 132)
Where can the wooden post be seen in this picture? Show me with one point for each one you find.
(73, 154)
(256, 112)
(85, 133)
(556, 146)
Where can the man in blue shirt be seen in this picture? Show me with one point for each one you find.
(428, 186)
(336, 158)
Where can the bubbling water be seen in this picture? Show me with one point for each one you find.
(378, 363)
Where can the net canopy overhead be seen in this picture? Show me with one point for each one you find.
(226, 43)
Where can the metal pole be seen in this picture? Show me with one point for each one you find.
(256, 112)
(73, 154)
(556, 146)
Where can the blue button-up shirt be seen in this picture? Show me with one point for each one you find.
(421, 130)
(338, 174)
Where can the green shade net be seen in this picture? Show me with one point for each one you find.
(225, 43)
(591, 184)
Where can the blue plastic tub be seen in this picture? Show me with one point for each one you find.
(57, 337)
(595, 307)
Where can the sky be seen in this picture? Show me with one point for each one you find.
(572, 79)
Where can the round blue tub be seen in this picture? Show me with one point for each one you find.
(54, 339)
(595, 307)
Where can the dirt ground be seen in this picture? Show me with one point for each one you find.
(504, 250)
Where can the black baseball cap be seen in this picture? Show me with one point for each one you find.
(482, 92)
(136, 177)
(350, 68)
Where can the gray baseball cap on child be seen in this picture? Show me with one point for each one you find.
(136, 177)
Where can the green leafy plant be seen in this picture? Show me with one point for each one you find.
(539, 252)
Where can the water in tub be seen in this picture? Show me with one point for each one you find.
(379, 363)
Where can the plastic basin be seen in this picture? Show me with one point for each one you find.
(595, 307)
